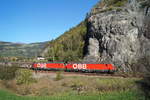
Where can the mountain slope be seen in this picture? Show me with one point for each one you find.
(9, 49)
(69, 46)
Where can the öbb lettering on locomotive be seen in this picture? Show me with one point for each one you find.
(75, 67)
(79, 66)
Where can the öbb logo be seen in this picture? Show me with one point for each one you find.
(41, 65)
(79, 66)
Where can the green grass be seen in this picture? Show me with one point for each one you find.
(126, 95)
(73, 88)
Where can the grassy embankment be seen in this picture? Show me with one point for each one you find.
(73, 88)
(128, 95)
(20, 85)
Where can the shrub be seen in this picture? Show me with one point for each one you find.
(24, 76)
(59, 76)
(24, 90)
(8, 72)
(142, 65)
(115, 3)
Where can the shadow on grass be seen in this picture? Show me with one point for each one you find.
(144, 86)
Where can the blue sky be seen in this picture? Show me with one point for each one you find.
(29, 21)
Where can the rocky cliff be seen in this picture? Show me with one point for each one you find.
(118, 34)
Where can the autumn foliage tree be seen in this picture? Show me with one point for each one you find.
(69, 46)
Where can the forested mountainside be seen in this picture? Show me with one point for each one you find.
(69, 46)
(8, 49)
(114, 31)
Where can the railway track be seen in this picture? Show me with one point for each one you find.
(80, 74)
(27, 65)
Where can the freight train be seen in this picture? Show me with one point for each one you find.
(75, 67)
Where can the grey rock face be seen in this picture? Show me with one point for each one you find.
(117, 37)
(93, 46)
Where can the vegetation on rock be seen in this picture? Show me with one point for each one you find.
(108, 5)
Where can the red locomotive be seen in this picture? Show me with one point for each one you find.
(75, 67)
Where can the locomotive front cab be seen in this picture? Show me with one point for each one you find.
(111, 68)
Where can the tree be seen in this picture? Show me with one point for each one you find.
(69, 46)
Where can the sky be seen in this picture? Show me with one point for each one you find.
(29, 21)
